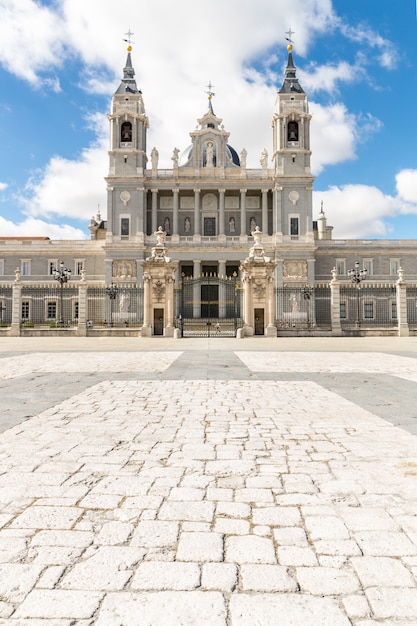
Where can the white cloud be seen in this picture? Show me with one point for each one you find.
(406, 183)
(71, 188)
(38, 228)
(358, 211)
(333, 132)
(3, 186)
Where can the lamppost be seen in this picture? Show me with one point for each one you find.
(112, 292)
(307, 292)
(62, 275)
(357, 275)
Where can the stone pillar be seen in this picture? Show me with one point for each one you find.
(159, 278)
(401, 288)
(222, 289)
(176, 199)
(221, 229)
(243, 232)
(335, 304)
(82, 305)
(147, 321)
(264, 211)
(197, 212)
(154, 224)
(258, 284)
(277, 210)
(196, 288)
(16, 305)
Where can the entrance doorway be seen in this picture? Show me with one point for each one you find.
(259, 322)
(209, 301)
(158, 321)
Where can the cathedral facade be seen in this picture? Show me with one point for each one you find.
(210, 209)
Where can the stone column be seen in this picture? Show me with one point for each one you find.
(264, 226)
(154, 210)
(197, 212)
(221, 229)
(82, 305)
(277, 210)
(16, 305)
(222, 289)
(243, 232)
(176, 199)
(401, 288)
(335, 304)
(196, 288)
(147, 322)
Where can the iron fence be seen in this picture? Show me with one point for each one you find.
(52, 305)
(6, 304)
(302, 306)
(412, 305)
(124, 309)
(368, 305)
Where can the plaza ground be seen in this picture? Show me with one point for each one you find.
(208, 481)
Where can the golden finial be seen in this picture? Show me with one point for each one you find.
(210, 91)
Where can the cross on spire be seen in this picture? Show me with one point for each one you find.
(210, 93)
(290, 33)
(129, 37)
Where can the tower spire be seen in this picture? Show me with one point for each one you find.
(128, 84)
(290, 84)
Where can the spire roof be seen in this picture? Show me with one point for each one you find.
(290, 84)
(128, 84)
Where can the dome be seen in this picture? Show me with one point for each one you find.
(187, 153)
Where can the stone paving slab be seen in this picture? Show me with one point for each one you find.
(228, 502)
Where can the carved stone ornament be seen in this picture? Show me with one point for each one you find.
(295, 270)
(158, 289)
(124, 269)
(125, 197)
(294, 196)
(259, 290)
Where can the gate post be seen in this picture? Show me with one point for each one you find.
(401, 288)
(82, 306)
(258, 281)
(16, 305)
(159, 278)
(335, 305)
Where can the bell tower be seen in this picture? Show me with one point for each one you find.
(291, 157)
(127, 159)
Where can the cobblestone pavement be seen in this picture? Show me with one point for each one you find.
(220, 487)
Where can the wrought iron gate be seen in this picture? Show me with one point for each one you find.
(209, 306)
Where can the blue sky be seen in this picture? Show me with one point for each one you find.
(60, 62)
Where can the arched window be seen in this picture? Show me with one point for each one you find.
(126, 132)
(292, 131)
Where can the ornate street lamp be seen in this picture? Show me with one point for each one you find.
(112, 292)
(62, 275)
(357, 275)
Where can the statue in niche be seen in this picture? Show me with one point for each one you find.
(187, 225)
(154, 158)
(167, 225)
(252, 224)
(232, 225)
(209, 154)
(124, 302)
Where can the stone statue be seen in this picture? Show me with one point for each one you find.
(243, 156)
(175, 156)
(124, 302)
(264, 158)
(209, 154)
(154, 158)
(294, 303)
